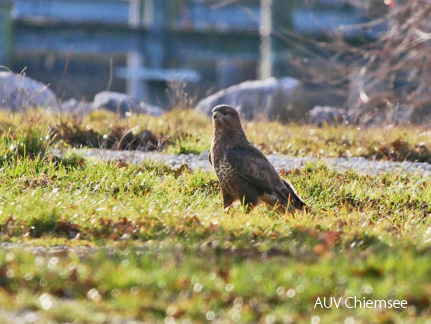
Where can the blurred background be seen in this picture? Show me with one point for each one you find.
(346, 53)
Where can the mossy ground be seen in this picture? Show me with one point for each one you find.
(167, 251)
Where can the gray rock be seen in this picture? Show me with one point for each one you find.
(124, 104)
(76, 108)
(116, 102)
(272, 99)
(147, 141)
(18, 92)
(151, 110)
(327, 115)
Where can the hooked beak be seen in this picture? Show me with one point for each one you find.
(216, 115)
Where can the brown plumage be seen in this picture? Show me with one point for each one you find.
(243, 171)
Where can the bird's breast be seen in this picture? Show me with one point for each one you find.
(226, 174)
(223, 168)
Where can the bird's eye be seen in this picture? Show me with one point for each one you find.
(225, 113)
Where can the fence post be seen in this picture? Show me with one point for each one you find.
(276, 18)
(265, 64)
(135, 61)
(150, 15)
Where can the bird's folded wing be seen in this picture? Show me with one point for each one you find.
(253, 166)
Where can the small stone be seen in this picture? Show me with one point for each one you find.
(76, 108)
(116, 102)
(147, 141)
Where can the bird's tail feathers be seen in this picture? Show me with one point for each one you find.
(291, 197)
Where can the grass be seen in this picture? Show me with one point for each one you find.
(165, 250)
(183, 131)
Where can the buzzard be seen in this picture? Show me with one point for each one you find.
(243, 171)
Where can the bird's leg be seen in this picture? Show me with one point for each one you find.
(228, 199)
(247, 207)
(249, 203)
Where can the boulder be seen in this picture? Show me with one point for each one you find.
(151, 110)
(116, 102)
(19, 92)
(124, 104)
(327, 115)
(76, 108)
(272, 99)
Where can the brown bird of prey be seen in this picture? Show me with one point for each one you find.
(243, 171)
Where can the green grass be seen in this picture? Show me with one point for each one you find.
(184, 131)
(166, 250)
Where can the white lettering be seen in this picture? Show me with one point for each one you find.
(354, 302)
(339, 301)
(346, 302)
(324, 302)
(318, 302)
(380, 303)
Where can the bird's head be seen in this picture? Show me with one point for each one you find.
(226, 117)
